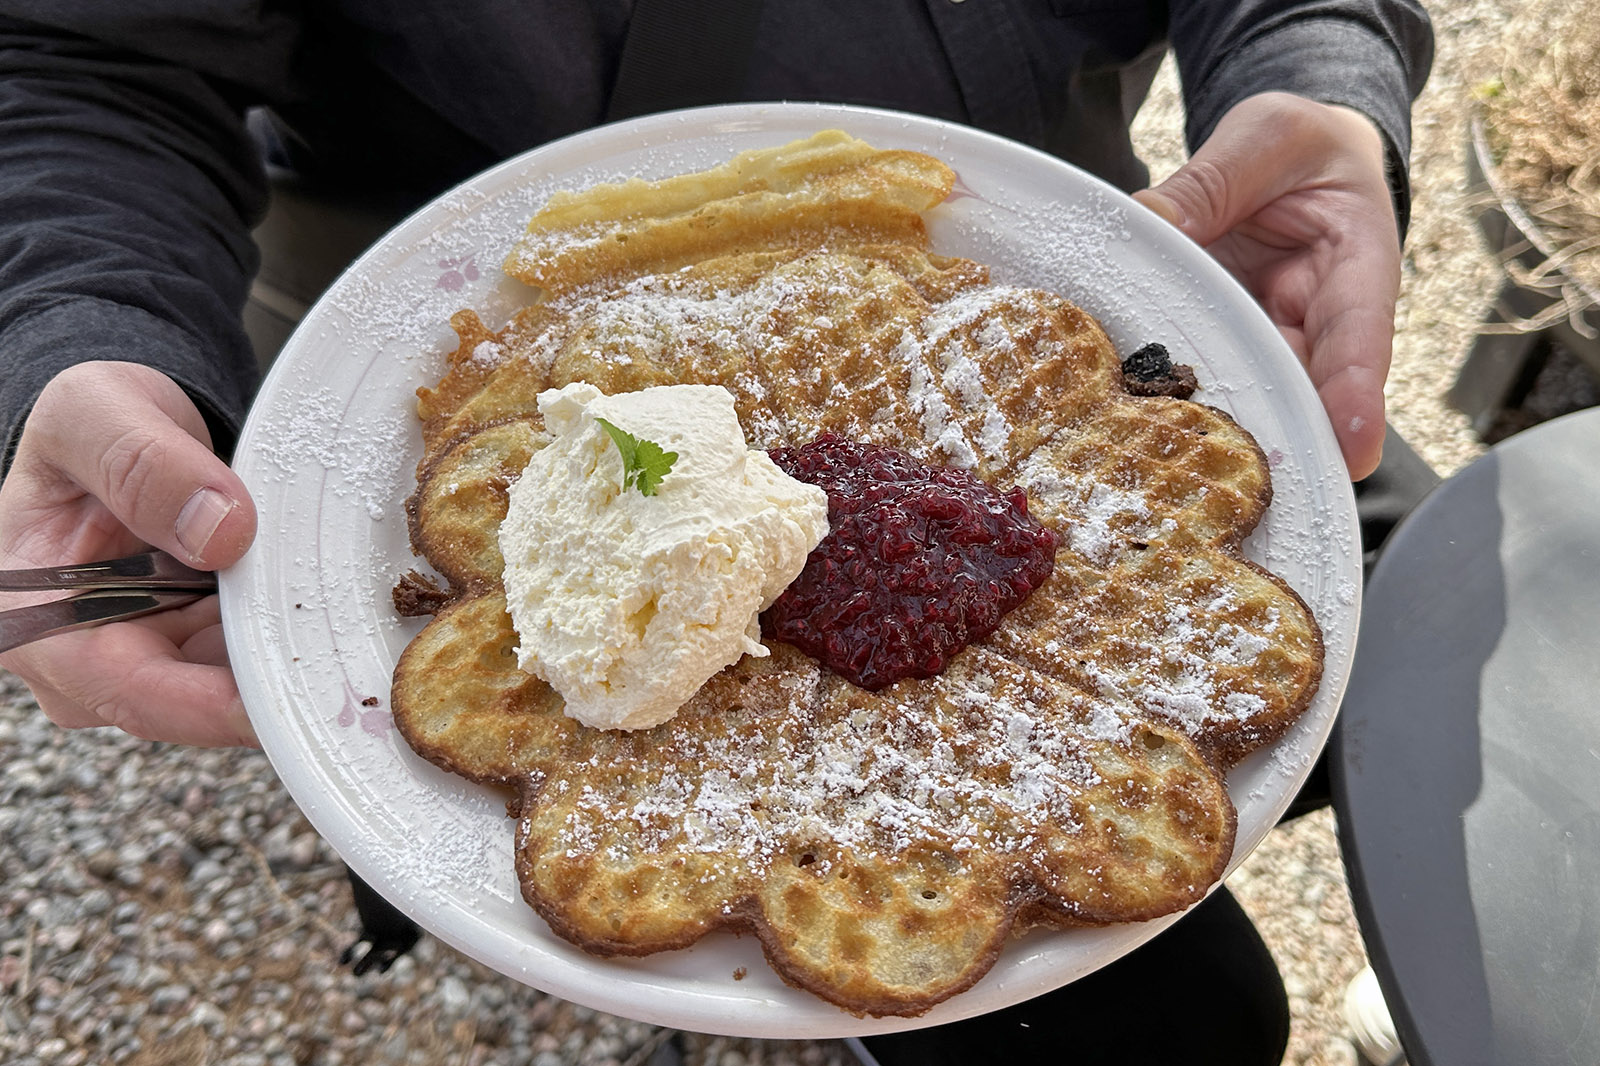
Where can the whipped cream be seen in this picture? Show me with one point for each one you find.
(624, 603)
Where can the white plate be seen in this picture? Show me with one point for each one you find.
(329, 453)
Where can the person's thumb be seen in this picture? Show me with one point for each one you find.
(131, 438)
(1229, 178)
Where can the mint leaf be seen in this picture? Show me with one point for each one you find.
(626, 443)
(644, 464)
(652, 464)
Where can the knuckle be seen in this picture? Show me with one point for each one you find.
(1306, 123)
(115, 708)
(72, 399)
(38, 667)
(1208, 185)
(51, 414)
(77, 689)
(65, 393)
(131, 465)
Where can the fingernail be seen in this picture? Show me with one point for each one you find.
(241, 724)
(198, 521)
(1165, 206)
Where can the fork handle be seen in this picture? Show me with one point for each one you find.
(25, 625)
(152, 569)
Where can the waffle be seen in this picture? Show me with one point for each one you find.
(883, 846)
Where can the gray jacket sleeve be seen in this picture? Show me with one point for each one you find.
(1370, 55)
(129, 187)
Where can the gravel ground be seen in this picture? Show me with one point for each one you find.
(161, 905)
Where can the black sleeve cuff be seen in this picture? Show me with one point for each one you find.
(40, 345)
(1330, 60)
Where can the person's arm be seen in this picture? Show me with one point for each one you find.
(1301, 117)
(127, 188)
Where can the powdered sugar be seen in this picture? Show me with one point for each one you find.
(939, 425)
(1098, 518)
(488, 355)
(359, 453)
(1188, 669)
(983, 767)
(945, 355)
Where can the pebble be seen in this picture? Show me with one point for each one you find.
(453, 995)
(10, 972)
(303, 850)
(169, 998)
(94, 903)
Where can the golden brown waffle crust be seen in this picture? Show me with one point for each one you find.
(883, 847)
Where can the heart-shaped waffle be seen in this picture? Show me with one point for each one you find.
(1068, 769)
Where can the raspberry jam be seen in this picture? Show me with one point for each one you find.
(919, 562)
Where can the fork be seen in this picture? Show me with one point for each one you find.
(109, 590)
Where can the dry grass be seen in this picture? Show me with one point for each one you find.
(1543, 117)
